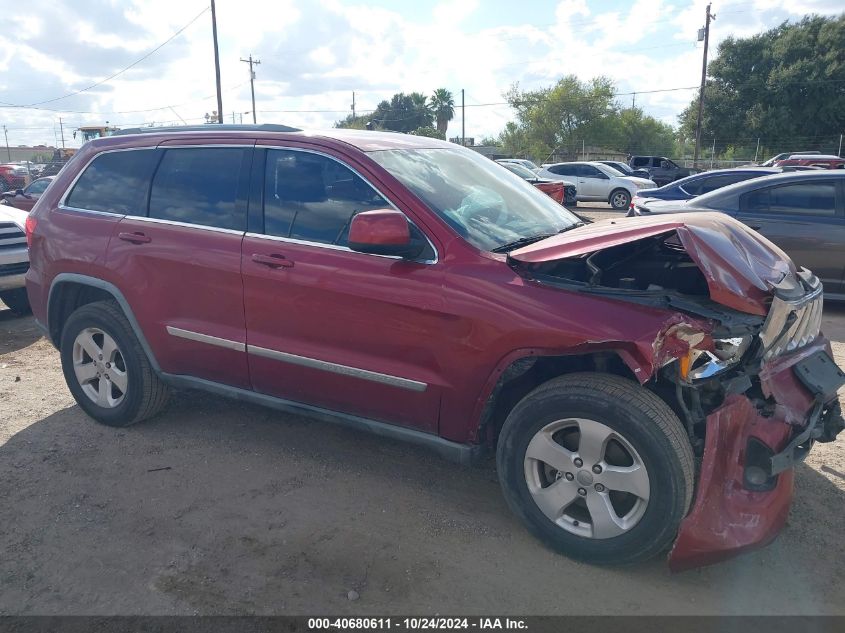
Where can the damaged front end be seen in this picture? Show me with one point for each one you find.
(742, 362)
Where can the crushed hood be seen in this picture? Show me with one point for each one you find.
(741, 266)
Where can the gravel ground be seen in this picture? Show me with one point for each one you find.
(217, 507)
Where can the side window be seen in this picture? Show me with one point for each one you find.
(640, 161)
(695, 187)
(199, 186)
(563, 170)
(589, 171)
(38, 187)
(313, 197)
(804, 198)
(116, 182)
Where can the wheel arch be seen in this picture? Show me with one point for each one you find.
(70, 291)
(524, 370)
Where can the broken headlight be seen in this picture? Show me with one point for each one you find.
(726, 353)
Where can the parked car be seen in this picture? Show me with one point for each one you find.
(12, 177)
(597, 182)
(661, 170)
(625, 170)
(25, 198)
(406, 286)
(528, 164)
(561, 191)
(14, 259)
(692, 186)
(771, 162)
(802, 212)
(824, 161)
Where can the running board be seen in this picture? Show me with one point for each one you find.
(464, 454)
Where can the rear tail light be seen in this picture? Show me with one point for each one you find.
(29, 227)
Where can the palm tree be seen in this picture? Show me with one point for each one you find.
(443, 106)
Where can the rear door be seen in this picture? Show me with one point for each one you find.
(179, 261)
(807, 220)
(327, 326)
(592, 182)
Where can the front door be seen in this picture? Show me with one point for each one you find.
(806, 220)
(327, 326)
(592, 182)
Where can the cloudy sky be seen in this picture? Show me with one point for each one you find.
(55, 56)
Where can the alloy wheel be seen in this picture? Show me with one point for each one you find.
(586, 478)
(100, 368)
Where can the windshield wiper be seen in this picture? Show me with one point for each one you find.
(525, 241)
(522, 241)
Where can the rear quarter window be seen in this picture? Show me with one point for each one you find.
(115, 182)
(802, 198)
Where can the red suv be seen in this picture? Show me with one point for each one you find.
(413, 288)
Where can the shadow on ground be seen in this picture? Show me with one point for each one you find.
(222, 507)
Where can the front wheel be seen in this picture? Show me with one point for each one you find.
(598, 467)
(620, 199)
(16, 300)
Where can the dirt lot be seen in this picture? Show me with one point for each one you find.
(219, 507)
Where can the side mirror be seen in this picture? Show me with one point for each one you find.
(383, 232)
(18, 192)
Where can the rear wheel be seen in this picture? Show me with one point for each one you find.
(597, 467)
(106, 368)
(619, 199)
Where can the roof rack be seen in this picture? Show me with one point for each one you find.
(209, 127)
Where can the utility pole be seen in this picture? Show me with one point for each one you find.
(353, 104)
(216, 63)
(8, 151)
(62, 128)
(707, 19)
(839, 153)
(251, 61)
(756, 151)
(463, 120)
(713, 152)
(634, 101)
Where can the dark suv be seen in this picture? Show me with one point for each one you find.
(661, 170)
(413, 288)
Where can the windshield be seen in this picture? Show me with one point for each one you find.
(519, 170)
(621, 167)
(485, 204)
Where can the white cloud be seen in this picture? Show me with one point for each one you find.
(315, 54)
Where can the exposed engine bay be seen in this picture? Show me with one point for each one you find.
(656, 263)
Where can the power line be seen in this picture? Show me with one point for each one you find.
(118, 73)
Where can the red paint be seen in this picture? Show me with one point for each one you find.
(379, 228)
(726, 519)
(555, 190)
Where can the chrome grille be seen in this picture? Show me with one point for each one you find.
(11, 236)
(792, 324)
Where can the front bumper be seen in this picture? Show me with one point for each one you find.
(745, 486)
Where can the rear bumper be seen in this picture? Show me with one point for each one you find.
(746, 481)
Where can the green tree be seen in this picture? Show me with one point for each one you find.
(442, 104)
(403, 113)
(785, 86)
(431, 132)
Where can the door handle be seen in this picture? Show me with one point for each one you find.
(135, 238)
(273, 261)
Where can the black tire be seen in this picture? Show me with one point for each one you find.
(619, 199)
(638, 415)
(146, 394)
(16, 300)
